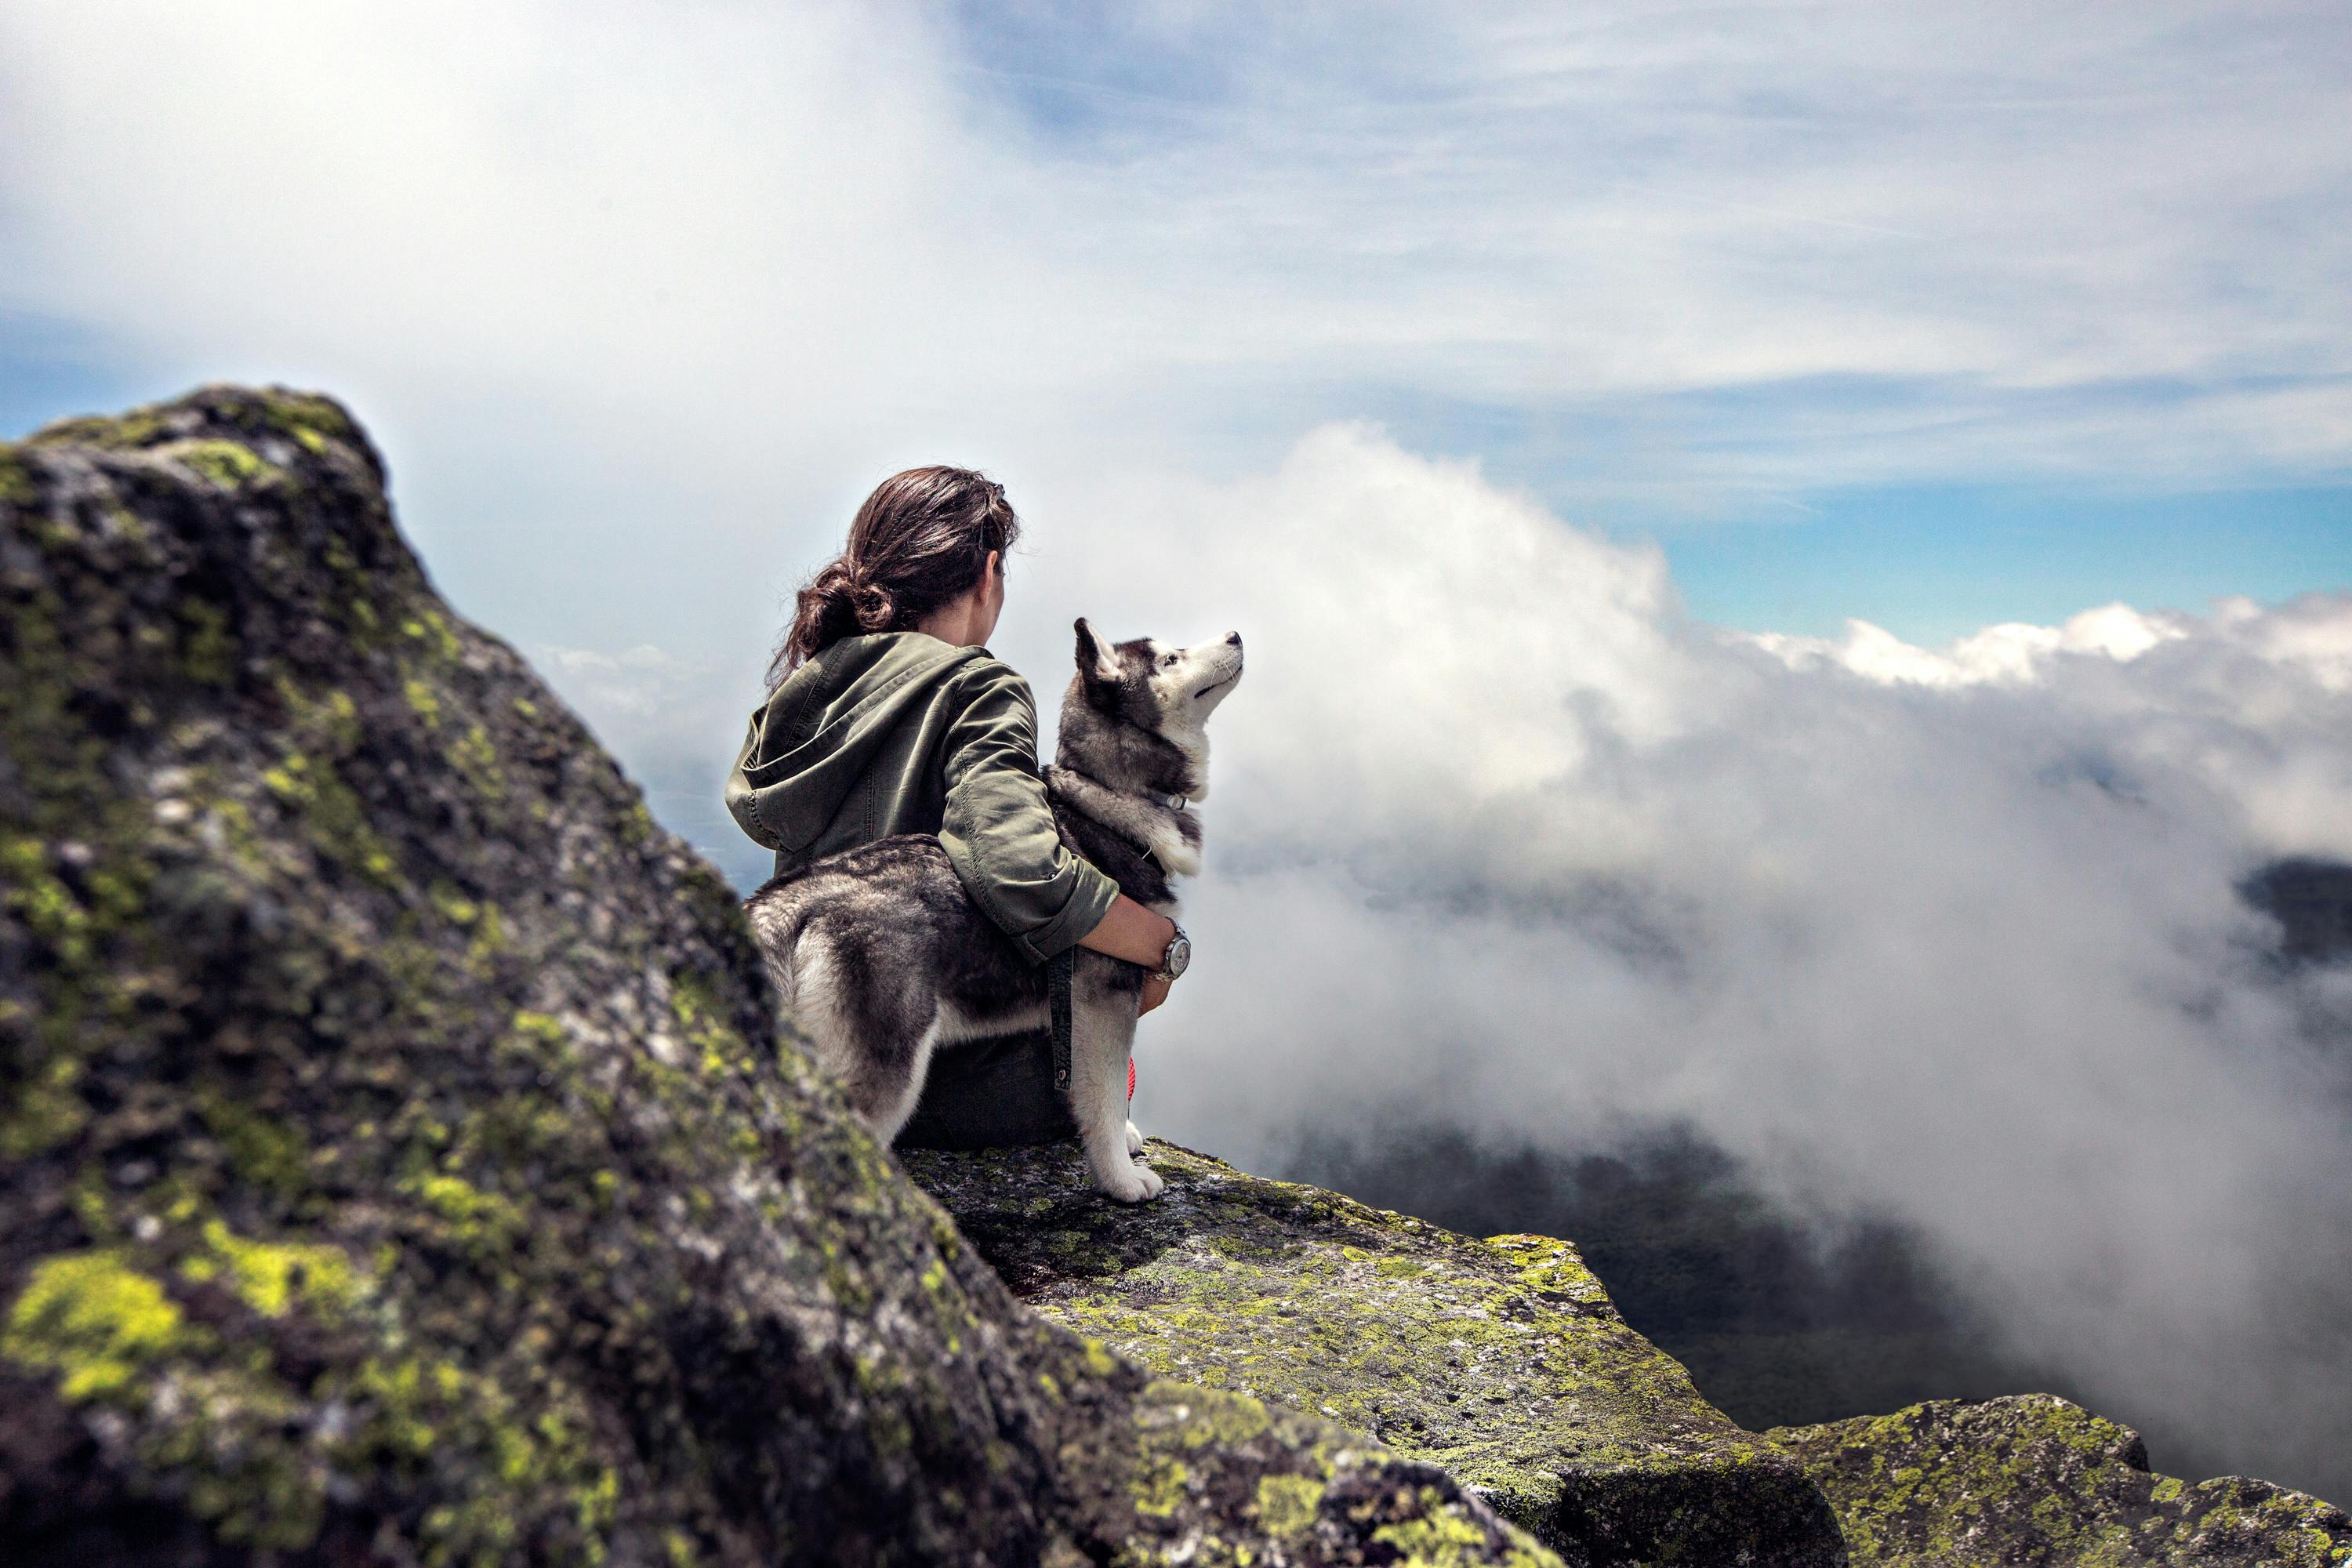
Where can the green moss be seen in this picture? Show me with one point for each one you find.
(48, 1111)
(92, 1317)
(452, 905)
(477, 762)
(270, 1277)
(1287, 1505)
(326, 721)
(417, 1413)
(270, 1155)
(540, 1027)
(93, 1205)
(226, 464)
(430, 629)
(16, 482)
(311, 420)
(46, 905)
(124, 432)
(1443, 1537)
(720, 1050)
(336, 821)
(474, 1216)
(1213, 1415)
(206, 655)
(1159, 1485)
(422, 700)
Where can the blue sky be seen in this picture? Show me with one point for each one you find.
(1933, 563)
(1945, 550)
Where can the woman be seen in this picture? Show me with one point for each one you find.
(887, 714)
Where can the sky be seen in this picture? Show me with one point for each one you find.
(1792, 554)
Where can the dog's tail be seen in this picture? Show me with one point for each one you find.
(779, 914)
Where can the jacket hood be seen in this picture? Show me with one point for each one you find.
(811, 743)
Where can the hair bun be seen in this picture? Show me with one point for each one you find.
(873, 606)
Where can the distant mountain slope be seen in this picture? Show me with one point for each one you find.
(2312, 901)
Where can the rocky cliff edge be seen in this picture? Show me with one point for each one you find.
(404, 1161)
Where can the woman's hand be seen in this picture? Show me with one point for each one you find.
(1155, 992)
(1135, 934)
(1131, 931)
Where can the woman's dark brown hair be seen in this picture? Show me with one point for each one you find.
(920, 540)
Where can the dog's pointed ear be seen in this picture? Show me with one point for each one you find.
(1097, 661)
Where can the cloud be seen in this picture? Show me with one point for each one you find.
(640, 683)
(1500, 837)
(2039, 242)
(2014, 652)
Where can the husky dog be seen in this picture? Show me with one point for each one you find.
(883, 958)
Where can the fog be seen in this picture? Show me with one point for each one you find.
(1499, 838)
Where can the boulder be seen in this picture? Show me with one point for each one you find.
(402, 1158)
(1501, 1361)
(2036, 1481)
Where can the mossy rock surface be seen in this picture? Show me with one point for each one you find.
(2036, 1481)
(1501, 1361)
(402, 1158)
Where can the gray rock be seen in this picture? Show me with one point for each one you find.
(402, 1159)
(1501, 1361)
(2033, 1479)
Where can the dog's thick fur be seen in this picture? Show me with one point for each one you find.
(883, 958)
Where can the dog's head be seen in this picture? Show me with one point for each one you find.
(1163, 690)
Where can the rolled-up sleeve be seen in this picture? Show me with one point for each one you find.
(998, 828)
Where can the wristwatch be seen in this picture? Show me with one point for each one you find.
(1178, 955)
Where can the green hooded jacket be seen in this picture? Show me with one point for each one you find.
(900, 732)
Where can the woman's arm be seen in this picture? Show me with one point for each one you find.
(1134, 933)
(999, 830)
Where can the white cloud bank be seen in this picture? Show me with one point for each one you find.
(1498, 836)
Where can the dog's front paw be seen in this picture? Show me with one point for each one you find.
(1134, 1141)
(1136, 1184)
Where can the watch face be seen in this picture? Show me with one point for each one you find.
(1180, 953)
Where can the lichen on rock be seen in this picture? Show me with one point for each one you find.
(2036, 1481)
(404, 1159)
(1501, 1361)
